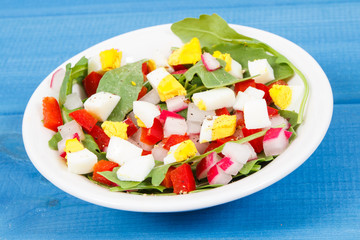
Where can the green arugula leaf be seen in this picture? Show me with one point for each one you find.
(157, 174)
(111, 176)
(79, 71)
(92, 146)
(291, 116)
(141, 186)
(120, 81)
(66, 86)
(53, 142)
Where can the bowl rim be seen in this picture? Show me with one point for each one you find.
(244, 187)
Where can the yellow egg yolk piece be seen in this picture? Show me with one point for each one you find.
(139, 122)
(224, 126)
(73, 145)
(117, 129)
(189, 53)
(185, 150)
(226, 57)
(169, 87)
(281, 95)
(201, 105)
(151, 65)
(110, 59)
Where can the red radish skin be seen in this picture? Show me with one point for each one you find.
(218, 176)
(210, 62)
(131, 128)
(182, 71)
(165, 114)
(178, 103)
(229, 166)
(275, 141)
(57, 77)
(205, 164)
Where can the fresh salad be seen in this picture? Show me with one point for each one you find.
(215, 110)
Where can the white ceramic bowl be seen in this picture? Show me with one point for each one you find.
(144, 43)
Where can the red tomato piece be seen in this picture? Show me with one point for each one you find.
(257, 143)
(242, 86)
(103, 166)
(167, 180)
(179, 67)
(226, 139)
(142, 92)
(131, 129)
(182, 179)
(51, 113)
(84, 119)
(145, 69)
(144, 152)
(182, 71)
(272, 111)
(100, 137)
(222, 111)
(264, 88)
(240, 121)
(173, 140)
(212, 146)
(91, 83)
(152, 135)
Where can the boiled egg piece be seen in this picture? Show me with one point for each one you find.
(262, 68)
(101, 104)
(81, 162)
(145, 112)
(189, 53)
(120, 150)
(217, 127)
(214, 99)
(287, 97)
(136, 169)
(180, 152)
(232, 66)
(118, 129)
(256, 114)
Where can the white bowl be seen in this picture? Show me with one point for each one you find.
(144, 43)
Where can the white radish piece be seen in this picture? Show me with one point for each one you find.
(79, 89)
(256, 114)
(214, 99)
(210, 62)
(159, 153)
(279, 120)
(174, 126)
(236, 69)
(201, 147)
(81, 162)
(229, 166)
(56, 80)
(73, 101)
(194, 114)
(238, 152)
(276, 141)
(176, 104)
(262, 68)
(193, 127)
(101, 104)
(205, 164)
(152, 97)
(136, 169)
(216, 175)
(69, 129)
(146, 112)
(120, 150)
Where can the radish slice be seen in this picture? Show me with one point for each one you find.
(152, 97)
(201, 147)
(165, 114)
(57, 79)
(240, 153)
(194, 127)
(159, 153)
(178, 103)
(275, 141)
(174, 126)
(210, 62)
(217, 176)
(73, 101)
(135, 139)
(182, 71)
(229, 166)
(205, 164)
(278, 120)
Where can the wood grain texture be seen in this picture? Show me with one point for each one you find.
(320, 200)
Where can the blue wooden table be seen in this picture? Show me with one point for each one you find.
(320, 200)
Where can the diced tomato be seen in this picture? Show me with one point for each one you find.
(167, 180)
(142, 92)
(131, 129)
(213, 145)
(144, 152)
(240, 121)
(182, 179)
(227, 139)
(279, 82)
(179, 71)
(264, 88)
(100, 137)
(173, 140)
(179, 67)
(272, 111)
(222, 111)
(152, 135)
(144, 69)
(103, 166)
(52, 113)
(257, 143)
(242, 86)
(91, 83)
(84, 119)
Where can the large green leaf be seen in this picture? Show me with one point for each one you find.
(92, 146)
(125, 82)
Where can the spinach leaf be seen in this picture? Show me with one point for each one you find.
(291, 116)
(249, 166)
(53, 142)
(120, 81)
(91, 145)
(66, 86)
(111, 176)
(141, 186)
(79, 71)
(157, 174)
